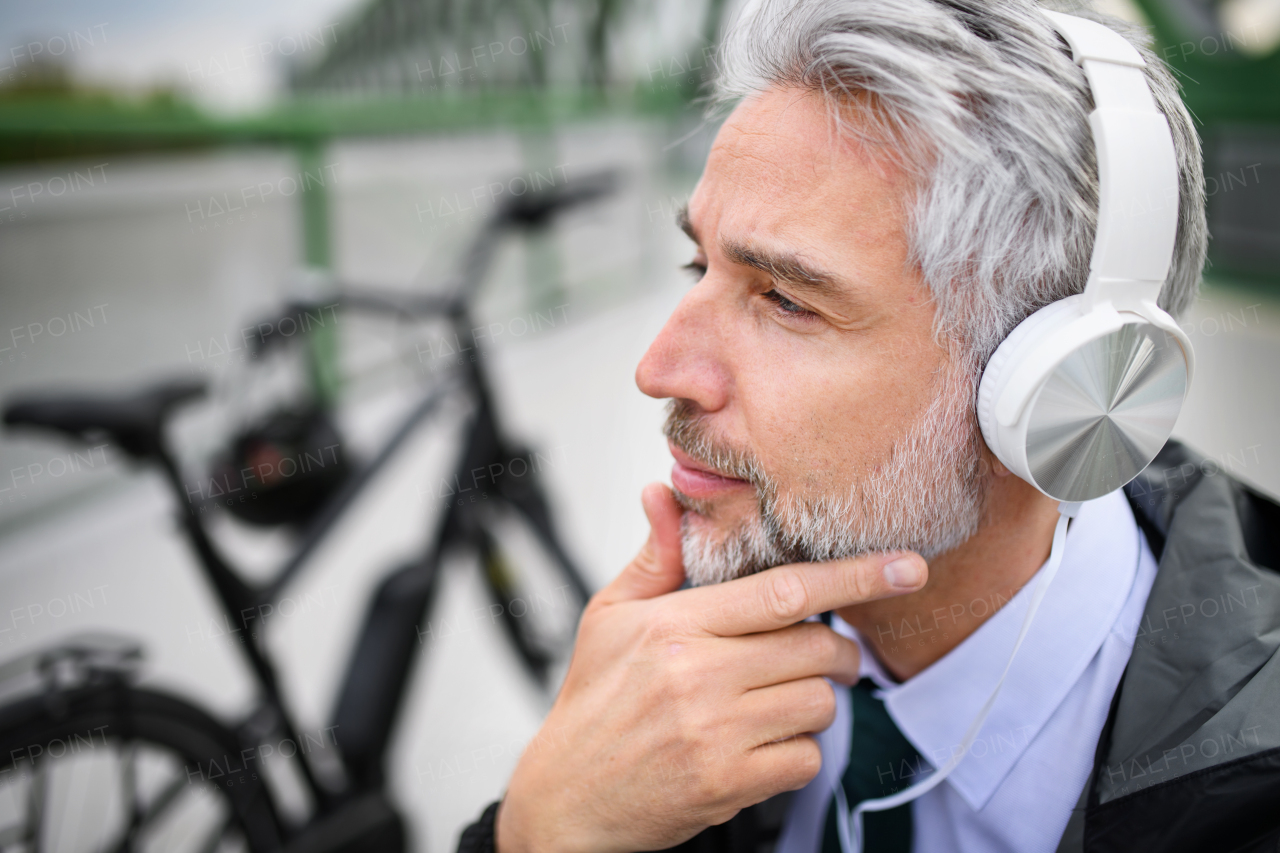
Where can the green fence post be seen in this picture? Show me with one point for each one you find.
(315, 178)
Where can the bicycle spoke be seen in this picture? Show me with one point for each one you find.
(217, 836)
(129, 783)
(35, 805)
(145, 817)
(162, 801)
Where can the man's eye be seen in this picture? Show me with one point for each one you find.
(695, 269)
(785, 305)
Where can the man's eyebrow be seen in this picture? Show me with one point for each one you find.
(790, 269)
(784, 267)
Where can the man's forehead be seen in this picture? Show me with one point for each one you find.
(780, 164)
(786, 194)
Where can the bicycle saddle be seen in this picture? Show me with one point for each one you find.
(134, 422)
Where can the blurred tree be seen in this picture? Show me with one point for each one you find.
(423, 46)
(1226, 54)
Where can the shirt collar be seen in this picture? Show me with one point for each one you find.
(935, 708)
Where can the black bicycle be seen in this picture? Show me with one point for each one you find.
(168, 775)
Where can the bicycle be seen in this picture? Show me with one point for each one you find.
(186, 780)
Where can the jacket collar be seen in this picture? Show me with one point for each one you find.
(1204, 677)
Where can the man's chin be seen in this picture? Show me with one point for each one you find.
(720, 546)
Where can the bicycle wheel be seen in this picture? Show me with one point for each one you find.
(124, 770)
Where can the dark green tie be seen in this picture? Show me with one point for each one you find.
(881, 762)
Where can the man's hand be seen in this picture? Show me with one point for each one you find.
(682, 707)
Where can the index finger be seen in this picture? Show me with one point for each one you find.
(785, 595)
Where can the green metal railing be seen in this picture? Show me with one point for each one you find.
(34, 128)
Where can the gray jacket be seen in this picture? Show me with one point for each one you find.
(1189, 759)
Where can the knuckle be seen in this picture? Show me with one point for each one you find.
(645, 563)
(861, 583)
(821, 645)
(663, 627)
(807, 764)
(821, 702)
(785, 596)
(682, 682)
(714, 788)
(813, 700)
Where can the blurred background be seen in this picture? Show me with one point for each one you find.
(170, 174)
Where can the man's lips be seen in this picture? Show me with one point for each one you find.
(697, 480)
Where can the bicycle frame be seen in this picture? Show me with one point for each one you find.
(379, 668)
(352, 813)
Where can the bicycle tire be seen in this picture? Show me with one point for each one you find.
(116, 716)
(514, 600)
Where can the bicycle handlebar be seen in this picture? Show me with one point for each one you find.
(533, 209)
(537, 207)
(372, 300)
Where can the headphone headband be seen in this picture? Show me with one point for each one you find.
(1137, 168)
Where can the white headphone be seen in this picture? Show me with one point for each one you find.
(1083, 393)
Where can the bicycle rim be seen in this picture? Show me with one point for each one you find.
(121, 770)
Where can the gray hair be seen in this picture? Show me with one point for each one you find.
(981, 99)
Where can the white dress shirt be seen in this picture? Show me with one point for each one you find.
(1015, 789)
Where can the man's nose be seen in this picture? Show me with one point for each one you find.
(685, 360)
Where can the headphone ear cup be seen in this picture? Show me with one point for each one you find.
(1097, 395)
(1011, 353)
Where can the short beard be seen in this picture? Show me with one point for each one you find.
(927, 497)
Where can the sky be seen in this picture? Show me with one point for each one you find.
(226, 54)
(229, 55)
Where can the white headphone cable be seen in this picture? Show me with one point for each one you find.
(849, 822)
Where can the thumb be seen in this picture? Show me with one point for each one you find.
(659, 567)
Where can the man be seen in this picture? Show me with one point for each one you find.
(901, 183)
